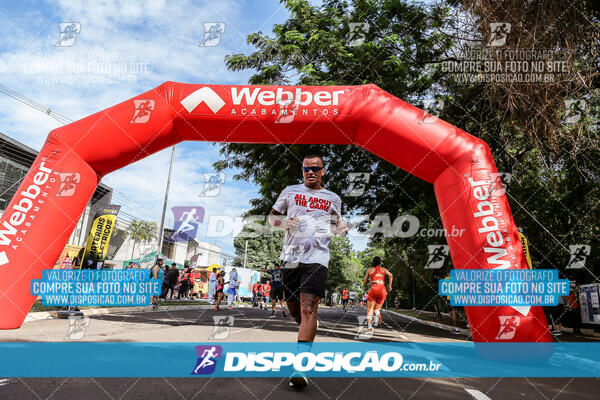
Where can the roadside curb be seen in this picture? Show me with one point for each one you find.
(438, 325)
(46, 315)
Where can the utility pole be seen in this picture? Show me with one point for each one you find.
(164, 210)
(245, 253)
(412, 272)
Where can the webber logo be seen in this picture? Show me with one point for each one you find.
(277, 102)
(23, 203)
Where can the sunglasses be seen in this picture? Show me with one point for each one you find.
(313, 169)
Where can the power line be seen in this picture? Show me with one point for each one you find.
(46, 110)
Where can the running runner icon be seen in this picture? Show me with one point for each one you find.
(207, 359)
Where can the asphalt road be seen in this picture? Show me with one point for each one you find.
(251, 324)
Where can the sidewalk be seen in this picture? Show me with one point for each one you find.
(428, 318)
(54, 314)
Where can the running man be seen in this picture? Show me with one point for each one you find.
(351, 295)
(276, 289)
(313, 214)
(345, 299)
(377, 293)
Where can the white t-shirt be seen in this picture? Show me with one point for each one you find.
(314, 208)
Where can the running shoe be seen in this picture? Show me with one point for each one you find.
(229, 307)
(284, 314)
(376, 323)
(298, 380)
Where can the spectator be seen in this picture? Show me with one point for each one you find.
(233, 287)
(173, 279)
(212, 285)
(574, 313)
(184, 284)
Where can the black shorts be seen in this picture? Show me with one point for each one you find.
(276, 293)
(304, 278)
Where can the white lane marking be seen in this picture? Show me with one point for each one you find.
(4, 382)
(477, 394)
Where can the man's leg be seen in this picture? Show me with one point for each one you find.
(211, 292)
(309, 305)
(294, 307)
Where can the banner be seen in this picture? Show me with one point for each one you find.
(525, 248)
(102, 229)
(65, 261)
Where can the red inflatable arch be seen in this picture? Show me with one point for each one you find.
(37, 223)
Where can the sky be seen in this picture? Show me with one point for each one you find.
(155, 41)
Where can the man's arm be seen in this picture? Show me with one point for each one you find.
(279, 220)
(366, 276)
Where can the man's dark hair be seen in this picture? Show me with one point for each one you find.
(314, 156)
(376, 261)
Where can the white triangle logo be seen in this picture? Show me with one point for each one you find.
(205, 94)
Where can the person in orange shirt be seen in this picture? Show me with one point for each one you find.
(345, 295)
(377, 293)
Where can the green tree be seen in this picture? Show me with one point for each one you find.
(554, 191)
(264, 244)
(140, 232)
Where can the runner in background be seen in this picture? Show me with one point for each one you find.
(334, 298)
(345, 299)
(276, 289)
(352, 295)
(377, 293)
